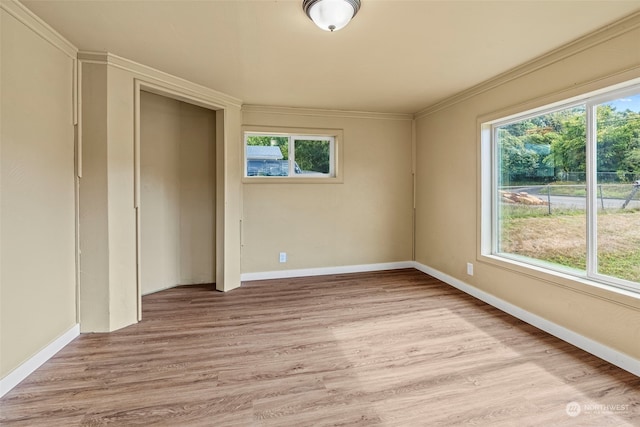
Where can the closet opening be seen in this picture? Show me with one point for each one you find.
(176, 193)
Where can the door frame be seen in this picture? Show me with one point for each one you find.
(189, 98)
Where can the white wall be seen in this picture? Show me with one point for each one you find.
(177, 193)
(37, 197)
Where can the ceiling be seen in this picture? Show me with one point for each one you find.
(395, 56)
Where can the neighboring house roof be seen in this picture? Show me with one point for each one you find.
(259, 152)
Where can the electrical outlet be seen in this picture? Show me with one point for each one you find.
(470, 269)
(283, 257)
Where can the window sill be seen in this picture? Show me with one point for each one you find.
(583, 285)
(290, 180)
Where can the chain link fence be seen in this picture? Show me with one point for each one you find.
(560, 198)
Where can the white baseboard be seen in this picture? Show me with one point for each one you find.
(284, 274)
(23, 371)
(602, 351)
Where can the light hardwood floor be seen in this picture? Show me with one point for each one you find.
(393, 348)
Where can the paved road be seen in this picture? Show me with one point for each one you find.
(575, 202)
(580, 202)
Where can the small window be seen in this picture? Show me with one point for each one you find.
(289, 156)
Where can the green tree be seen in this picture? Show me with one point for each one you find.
(517, 162)
(313, 155)
(630, 166)
(569, 147)
(613, 138)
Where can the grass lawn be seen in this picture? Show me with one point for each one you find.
(560, 238)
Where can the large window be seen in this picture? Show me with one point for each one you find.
(293, 156)
(565, 188)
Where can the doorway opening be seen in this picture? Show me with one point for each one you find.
(175, 191)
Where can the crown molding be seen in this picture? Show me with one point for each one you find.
(318, 112)
(159, 77)
(602, 35)
(38, 26)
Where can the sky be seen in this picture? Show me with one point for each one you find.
(630, 102)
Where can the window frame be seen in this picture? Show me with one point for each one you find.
(488, 183)
(334, 136)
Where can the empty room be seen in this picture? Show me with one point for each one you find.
(319, 213)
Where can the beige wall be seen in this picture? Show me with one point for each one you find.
(37, 221)
(177, 166)
(228, 198)
(448, 194)
(197, 195)
(108, 295)
(94, 307)
(366, 219)
(120, 197)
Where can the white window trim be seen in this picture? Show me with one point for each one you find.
(488, 207)
(335, 136)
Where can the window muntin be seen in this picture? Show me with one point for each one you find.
(299, 156)
(559, 180)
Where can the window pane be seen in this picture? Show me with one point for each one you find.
(312, 156)
(267, 155)
(618, 189)
(541, 206)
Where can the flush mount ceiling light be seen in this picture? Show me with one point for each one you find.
(331, 15)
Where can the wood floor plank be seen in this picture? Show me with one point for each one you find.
(396, 348)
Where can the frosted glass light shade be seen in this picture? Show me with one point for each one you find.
(331, 15)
